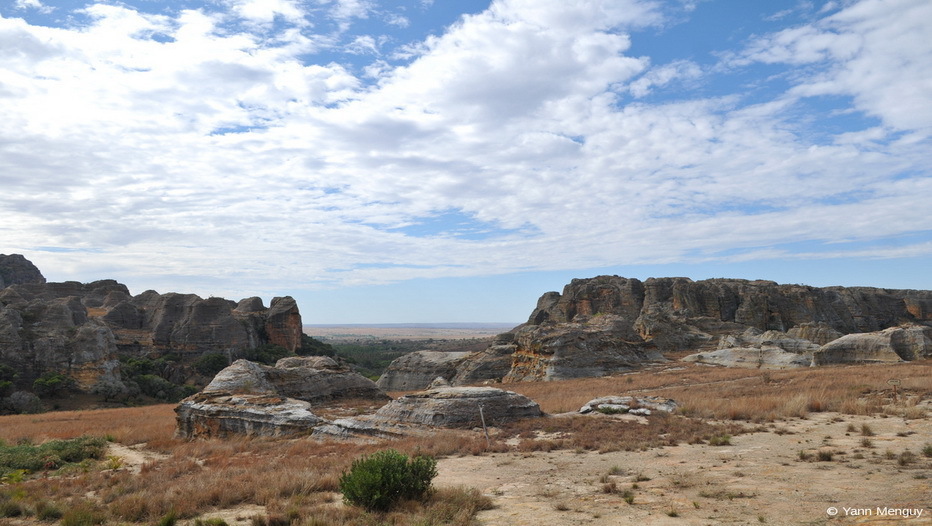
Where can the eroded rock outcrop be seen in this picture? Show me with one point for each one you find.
(248, 398)
(415, 371)
(312, 379)
(224, 415)
(456, 407)
(895, 344)
(607, 324)
(15, 269)
(79, 329)
(639, 405)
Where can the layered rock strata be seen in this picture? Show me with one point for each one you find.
(454, 407)
(248, 398)
(80, 329)
(608, 324)
(416, 370)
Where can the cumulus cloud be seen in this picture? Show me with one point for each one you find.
(199, 145)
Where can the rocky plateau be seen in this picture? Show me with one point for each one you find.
(82, 329)
(610, 324)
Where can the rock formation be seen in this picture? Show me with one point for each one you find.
(456, 407)
(15, 269)
(895, 344)
(607, 324)
(248, 398)
(80, 329)
(227, 415)
(312, 379)
(416, 370)
(642, 405)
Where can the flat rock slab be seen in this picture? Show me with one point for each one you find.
(219, 416)
(753, 358)
(638, 405)
(457, 407)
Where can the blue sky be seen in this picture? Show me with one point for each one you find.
(432, 161)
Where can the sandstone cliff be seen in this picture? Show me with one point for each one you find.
(608, 323)
(16, 269)
(80, 329)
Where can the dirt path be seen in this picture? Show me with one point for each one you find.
(758, 479)
(132, 457)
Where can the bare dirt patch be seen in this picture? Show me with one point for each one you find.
(758, 479)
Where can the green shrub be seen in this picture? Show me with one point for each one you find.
(314, 347)
(267, 354)
(47, 511)
(50, 455)
(83, 514)
(211, 364)
(9, 508)
(53, 384)
(379, 481)
(720, 440)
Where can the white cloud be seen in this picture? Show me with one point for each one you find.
(263, 12)
(184, 145)
(34, 4)
(682, 70)
(876, 51)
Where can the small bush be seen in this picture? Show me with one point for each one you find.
(83, 514)
(47, 511)
(50, 455)
(906, 458)
(867, 431)
(380, 481)
(720, 440)
(210, 364)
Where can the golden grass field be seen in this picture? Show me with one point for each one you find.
(150, 476)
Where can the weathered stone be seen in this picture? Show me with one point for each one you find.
(767, 357)
(416, 370)
(608, 324)
(217, 416)
(253, 304)
(248, 398)
(890, 345)
(597, 346)
(817, 333)
(77, 329)
(491, 364)
(457, 407)
(283, 323)
(298, 378)
(16, 269)
(626, 403)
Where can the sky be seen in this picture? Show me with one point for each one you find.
(450, 161)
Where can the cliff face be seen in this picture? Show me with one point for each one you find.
(16, 269)
(609, 323)
(81, 329)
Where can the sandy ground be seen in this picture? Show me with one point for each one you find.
(758, 479)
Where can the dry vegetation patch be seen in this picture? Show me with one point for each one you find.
(619, 467)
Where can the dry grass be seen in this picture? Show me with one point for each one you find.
(152, 424)
(297, 479)
(752, 395)
(605, 434)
